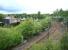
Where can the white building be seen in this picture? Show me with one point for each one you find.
(10, 20)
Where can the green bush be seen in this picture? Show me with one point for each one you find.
(30, 27)
(8, 38)
(45, 23)
(26, 28)
(37, 27)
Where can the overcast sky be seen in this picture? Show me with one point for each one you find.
(32, 6)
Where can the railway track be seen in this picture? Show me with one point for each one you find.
(38, 38)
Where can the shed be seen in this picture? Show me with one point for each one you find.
(10, 20)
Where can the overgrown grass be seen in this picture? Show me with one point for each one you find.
(8, 38)
(47, 45)
(52, 45)
(64, 42)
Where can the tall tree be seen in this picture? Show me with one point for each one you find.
(39, 14)
(1, 17)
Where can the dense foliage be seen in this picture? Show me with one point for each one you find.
(25, 28)
(61, 12)
(12, 36)
(46, 22)
(1, 17)
(9, 38)
(30, 27)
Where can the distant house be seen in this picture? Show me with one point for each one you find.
(23, 19)
(10, 20)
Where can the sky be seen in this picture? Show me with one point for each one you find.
(32, 6)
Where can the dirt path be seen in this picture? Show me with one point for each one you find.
(52, 32)
(56, 32)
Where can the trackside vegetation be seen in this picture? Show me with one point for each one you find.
(26, 29)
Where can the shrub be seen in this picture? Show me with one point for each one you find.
(30, 27)
(37, 27)
(26, 28)
(45, 23)
(8, 38)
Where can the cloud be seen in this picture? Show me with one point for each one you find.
(32, 6)
(10, 6)
(9, 9)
